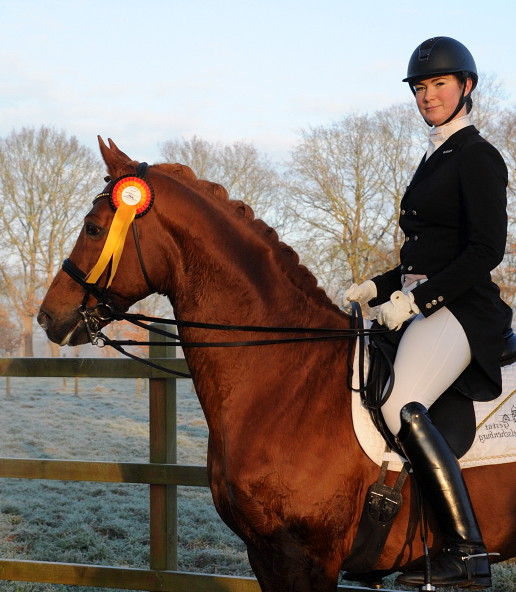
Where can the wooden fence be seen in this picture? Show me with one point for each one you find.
(162, 473)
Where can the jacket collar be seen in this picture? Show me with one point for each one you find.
(453, 143)
(438, 135)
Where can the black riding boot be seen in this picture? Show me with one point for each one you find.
(464, 561)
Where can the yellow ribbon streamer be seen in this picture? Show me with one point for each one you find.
(114, 244)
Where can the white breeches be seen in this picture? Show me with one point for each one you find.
(432, 353)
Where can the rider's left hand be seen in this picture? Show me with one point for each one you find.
(400, 308)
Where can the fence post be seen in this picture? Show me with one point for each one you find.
(163, 449)
(8, 379)
(76, 382)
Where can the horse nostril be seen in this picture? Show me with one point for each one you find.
(44, 320)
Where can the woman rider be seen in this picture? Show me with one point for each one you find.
(454, 218)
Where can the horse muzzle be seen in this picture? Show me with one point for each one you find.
(64, 331)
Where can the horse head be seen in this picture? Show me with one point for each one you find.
(60, 311)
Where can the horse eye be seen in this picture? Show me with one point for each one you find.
(91, 229)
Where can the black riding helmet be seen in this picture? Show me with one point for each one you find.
(440, 56)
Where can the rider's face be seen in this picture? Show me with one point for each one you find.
(437, 98)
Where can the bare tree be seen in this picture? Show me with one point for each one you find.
(10, 337)
(246, 173)
(487, 99)
(505, 141)
(402, 142)
(334, 192)
(345, 182)
(200, 155)
(47, 182)
(504, 137)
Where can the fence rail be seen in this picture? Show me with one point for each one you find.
(162, 474)
(121, 577)
(105, 472)
(89, 367)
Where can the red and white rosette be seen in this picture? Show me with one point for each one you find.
(132, 191)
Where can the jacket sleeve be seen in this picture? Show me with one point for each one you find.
(386, 284)
(483, 185)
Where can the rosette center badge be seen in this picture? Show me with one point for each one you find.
(132, 191)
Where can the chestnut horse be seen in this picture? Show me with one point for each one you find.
(286, 471)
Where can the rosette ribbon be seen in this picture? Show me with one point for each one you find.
(130, 197)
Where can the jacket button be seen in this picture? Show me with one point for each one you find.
(414, 213)
(428, 305)
(402, 212)
(440, 299)
(407, 238)
(434, 302)
(416, 237)
(409, 267)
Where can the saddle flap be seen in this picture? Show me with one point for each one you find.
(454, 415)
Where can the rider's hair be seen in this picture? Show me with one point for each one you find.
(462, 78)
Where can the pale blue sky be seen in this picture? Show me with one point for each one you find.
(143, 72)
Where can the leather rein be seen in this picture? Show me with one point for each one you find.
(109, 309)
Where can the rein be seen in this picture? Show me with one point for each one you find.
(327, 334)
(109, 309)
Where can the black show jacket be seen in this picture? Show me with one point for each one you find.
(454, 218)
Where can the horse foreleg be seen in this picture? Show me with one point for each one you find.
(262, 568)
(290, 570)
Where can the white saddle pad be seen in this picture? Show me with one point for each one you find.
(495, 439)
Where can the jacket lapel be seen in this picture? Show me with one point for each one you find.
(455, 142)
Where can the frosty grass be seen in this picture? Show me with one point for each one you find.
(100, 523)
(108, 523)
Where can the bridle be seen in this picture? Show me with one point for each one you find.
(102, 311)
(109, 309)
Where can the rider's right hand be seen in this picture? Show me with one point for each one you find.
(361, 294)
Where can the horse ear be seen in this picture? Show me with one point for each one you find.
(117, 162)
(116, 149)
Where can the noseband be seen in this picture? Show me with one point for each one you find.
(107, 304)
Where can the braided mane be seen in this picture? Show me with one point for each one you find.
(300, 275)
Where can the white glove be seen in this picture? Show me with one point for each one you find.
(361, 294)
(400, 307)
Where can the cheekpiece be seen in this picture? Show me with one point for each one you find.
(132, 191)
